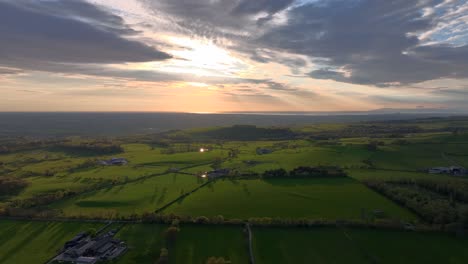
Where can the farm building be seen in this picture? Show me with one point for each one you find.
(454, 170)
(114, 161)
(439, 170)
(173, 169)
(217, 173)
(458, 171)
(263, 151)
(83, 249)
(74, 241)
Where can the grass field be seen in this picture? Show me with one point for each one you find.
(137, 197)
(332, 245)
(195, 244)
(341, 198)
(420, 156)
(35, 242)
(303, 155)
(144, 243)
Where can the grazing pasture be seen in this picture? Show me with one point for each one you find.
(195, 244)
(339, 198)
(334, 245)
(144, 242)
(291, 157)
(133, 198)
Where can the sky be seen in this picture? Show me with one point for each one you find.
(208, 56)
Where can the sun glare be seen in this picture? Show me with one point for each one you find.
(204, 57)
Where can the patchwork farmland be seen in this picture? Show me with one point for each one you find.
(303, 198)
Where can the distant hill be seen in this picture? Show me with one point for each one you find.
(60, 124)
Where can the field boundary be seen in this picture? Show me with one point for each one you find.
(363, 251)
(249, 237)
(111, 185)
(162, 208)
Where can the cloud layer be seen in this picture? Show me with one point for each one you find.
(41, 35)
(368, 42)
(348, 54)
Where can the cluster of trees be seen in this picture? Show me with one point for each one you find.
(40, 213)
(22, 143)
(170, 235)
(163, 257)
(94, 146)
(172, 232)
(455, 190)
(374, 145)
(216, 260)
(432, 206)
(245, 132)
(12, 186)
(306, 172)
(89, 163)
(50, 197)
(41, 199)
(374, 130)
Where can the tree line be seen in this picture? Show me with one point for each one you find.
(433, 201)
(306, 172)
(103, 147)
(12, 186)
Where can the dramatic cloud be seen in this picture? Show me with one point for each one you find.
(9, 71)
(220, 17)
(368, 42)
(216, 55)
(43, 35)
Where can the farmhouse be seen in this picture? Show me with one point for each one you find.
(114, 161)
(458, 171)
(217, 173)
(173, 169)
(263, 151)
(74, 241)
(83, 249)
(454, 170)
(439, 170)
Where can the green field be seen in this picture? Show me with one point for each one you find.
(35, 242)
(137, 197)
(340, 198)
(144, 243)
(33, 165)
(48, 172)
(333, 245)
(195, 244)
(298, 154)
